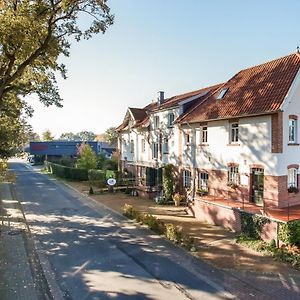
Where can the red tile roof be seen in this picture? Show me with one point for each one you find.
(257, 90)
(139, 114)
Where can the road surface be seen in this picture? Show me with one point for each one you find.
(97, 254)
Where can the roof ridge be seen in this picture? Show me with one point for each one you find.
(271, 61)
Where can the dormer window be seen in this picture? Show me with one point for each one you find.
(222, 93)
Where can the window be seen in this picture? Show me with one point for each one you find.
(166, 146)
(292, 178)
(292, 130)
(156, 122)
(203, 181)
(143, 175)
(143, 145)
(222, 93)
(132, 146)
(171, 118)
(233, 175)
(187, 178)
(203, 139)
(234, 132)
(155, 150)
(187, 139)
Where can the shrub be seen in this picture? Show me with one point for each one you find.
(252, 224)
(67, 172)
(128, 211)
(66, 161)
(88, 158)
(94, 175)
(289, 233)
(168, 182)
(177, 198)
(173, 233)
(153, 223)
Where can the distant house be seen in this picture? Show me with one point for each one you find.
(106, 148)
(239, 139)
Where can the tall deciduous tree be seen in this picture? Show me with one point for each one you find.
(33, 34)
(111, 135)
(47, 136)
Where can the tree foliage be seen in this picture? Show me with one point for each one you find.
(33, 34)
(12, 127)
(80, 136)
(111, 135)
(88, 158)
(47, 135)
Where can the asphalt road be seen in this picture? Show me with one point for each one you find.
(97, 254)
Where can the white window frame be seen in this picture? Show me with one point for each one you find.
(171, 118)
(292, 178)
(187, 138)
(143, 145)
(234, 132)
(166, 146)
(156, 122)
(131, 146)
(155, 147)
(292, 130)
(203, 135)
(233, 175)
(187, 178)
(203, 181)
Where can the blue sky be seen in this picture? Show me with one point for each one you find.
(171, 45)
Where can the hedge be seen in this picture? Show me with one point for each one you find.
(289, 233)
(67, 172)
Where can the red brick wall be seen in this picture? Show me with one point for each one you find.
(216, 214)
(217, 183)
(277, 133)
(228, 218)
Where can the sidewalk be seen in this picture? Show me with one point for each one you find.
(16, 278)
(215, 244)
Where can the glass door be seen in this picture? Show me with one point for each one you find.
(257, 186)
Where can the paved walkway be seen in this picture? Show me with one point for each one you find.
(16, 279)
(214, 243)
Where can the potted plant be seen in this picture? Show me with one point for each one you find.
(293, 189)
(202, 192)
(232, 185)
(177, 198)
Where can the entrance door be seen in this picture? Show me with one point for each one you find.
(257, 185)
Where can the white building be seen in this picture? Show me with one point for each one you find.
(238, 140)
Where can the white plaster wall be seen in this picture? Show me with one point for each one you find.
(291, 154)
(254, 146)
(170, 132)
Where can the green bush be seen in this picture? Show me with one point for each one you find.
(128, 211)
(252, 224)
(173, 233)
(94, 175)
(153, 223)
(67, 172)
(289, 233)
(168, 182)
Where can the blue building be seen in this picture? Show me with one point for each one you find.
(59, 148)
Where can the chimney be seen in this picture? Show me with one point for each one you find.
(161, 97)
